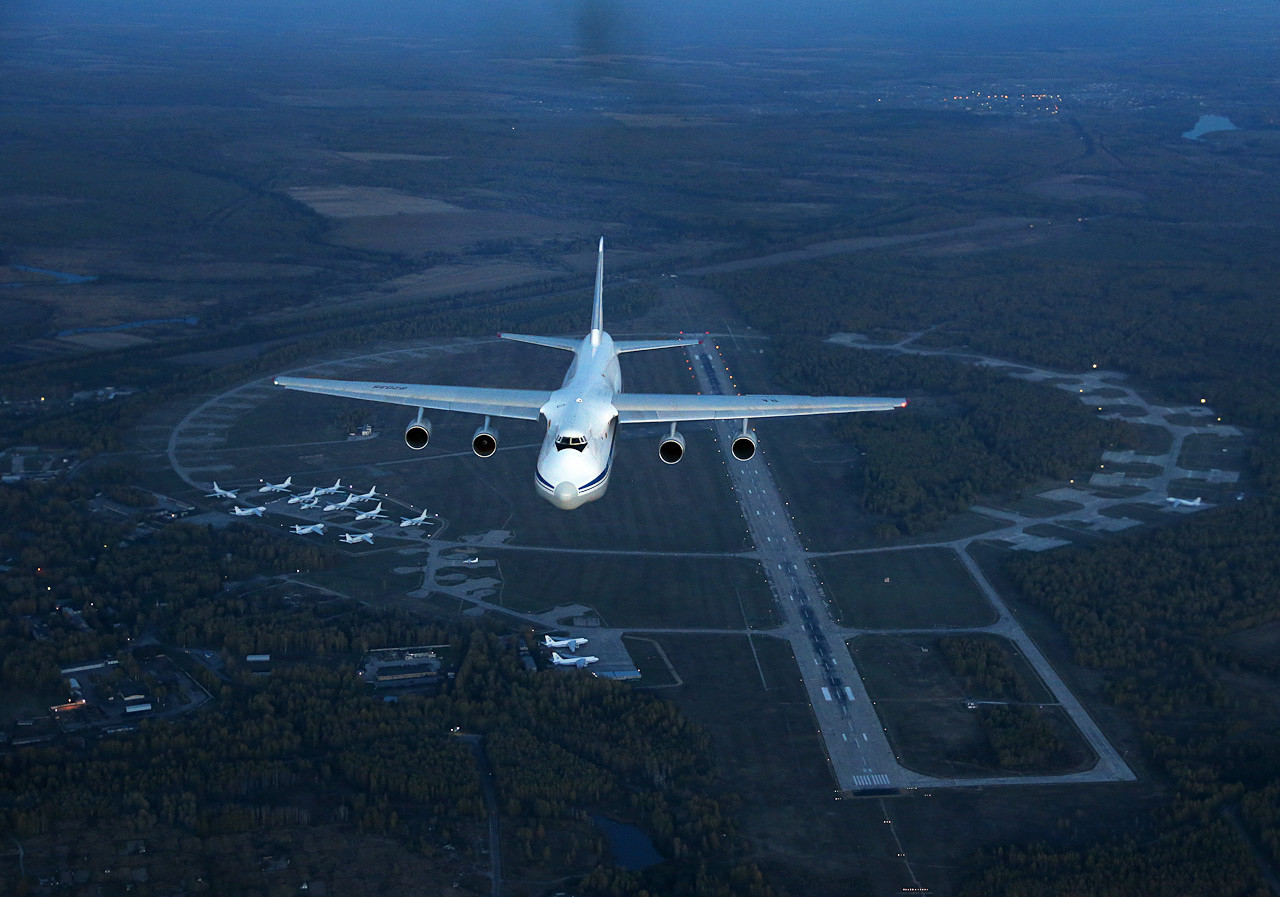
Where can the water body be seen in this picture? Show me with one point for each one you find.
(1207, 124)
(632, 849)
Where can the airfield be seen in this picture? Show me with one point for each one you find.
(711, 574)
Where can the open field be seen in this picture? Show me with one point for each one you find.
(774, 758)
(1211, 452)
(650, 505)
(651, 591)
(923, 707)
(367, 576)
(926, 588)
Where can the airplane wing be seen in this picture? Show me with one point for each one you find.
(636, 408)
(523, 404)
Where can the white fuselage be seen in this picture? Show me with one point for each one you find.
(576, 457)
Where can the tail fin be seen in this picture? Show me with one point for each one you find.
(597, 306)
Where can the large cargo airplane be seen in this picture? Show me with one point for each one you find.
(581, 416)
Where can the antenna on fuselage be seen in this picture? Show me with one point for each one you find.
(597, 306)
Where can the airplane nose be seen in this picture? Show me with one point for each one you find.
(566, 496)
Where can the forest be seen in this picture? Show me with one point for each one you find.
(1179, 622)
(310, 746)
(968, 432)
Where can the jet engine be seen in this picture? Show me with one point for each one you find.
(744, 445)
(418, 433)
(671, 449)
(484, 442)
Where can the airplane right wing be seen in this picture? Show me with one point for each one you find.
(522, 404)
(658, 408)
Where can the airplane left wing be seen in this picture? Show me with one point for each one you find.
(634, 408)
(522, 404)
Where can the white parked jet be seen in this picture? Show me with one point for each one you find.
(310, 503)
(311, 528)
(416, 521)
(351, 538)
(305, 496)
(221, 493)
(578, 662)
(330, 490)
(581, 416)
(278, 487)
(247, 512)
(367, 496)
(573, 644)
(342, 505)
(372, 514)
(1184, 502)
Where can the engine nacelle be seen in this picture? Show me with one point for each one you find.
(671, 449)
(744, 445)
(485, 441)
(417, 434)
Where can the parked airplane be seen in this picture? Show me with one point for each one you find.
(330, 490)
(351, 538)
(367, 496)
(278, 487)
(310, 503)
(311, 528)
(305, 496)
(471, 562)
(221, 493)
(342, 505)
(416, 521)
(578, 662)
(576, 457)
(573, 644)
(373, 514)
(247, 512)
(1185, 502)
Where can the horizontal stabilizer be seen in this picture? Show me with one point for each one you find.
(641, 345)
(551, 342)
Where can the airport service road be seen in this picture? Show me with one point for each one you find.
(858, 749)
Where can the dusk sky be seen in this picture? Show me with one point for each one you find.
(648, 25)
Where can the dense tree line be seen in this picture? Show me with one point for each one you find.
(1188, 313)
(119, 582)
(310, 745)
(970, 431)
(983, 664)
(1189, 317)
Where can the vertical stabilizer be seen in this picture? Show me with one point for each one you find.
(597, 306)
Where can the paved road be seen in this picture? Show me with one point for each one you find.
(859, 751)
(476, 742)
(858, 748)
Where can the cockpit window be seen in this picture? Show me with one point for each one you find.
(577, 443)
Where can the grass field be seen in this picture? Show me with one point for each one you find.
(367, 577)
(1034, 506)
(649, 505)
(654, 592)
(922, 706)
(924, 588)
(1211, 452)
